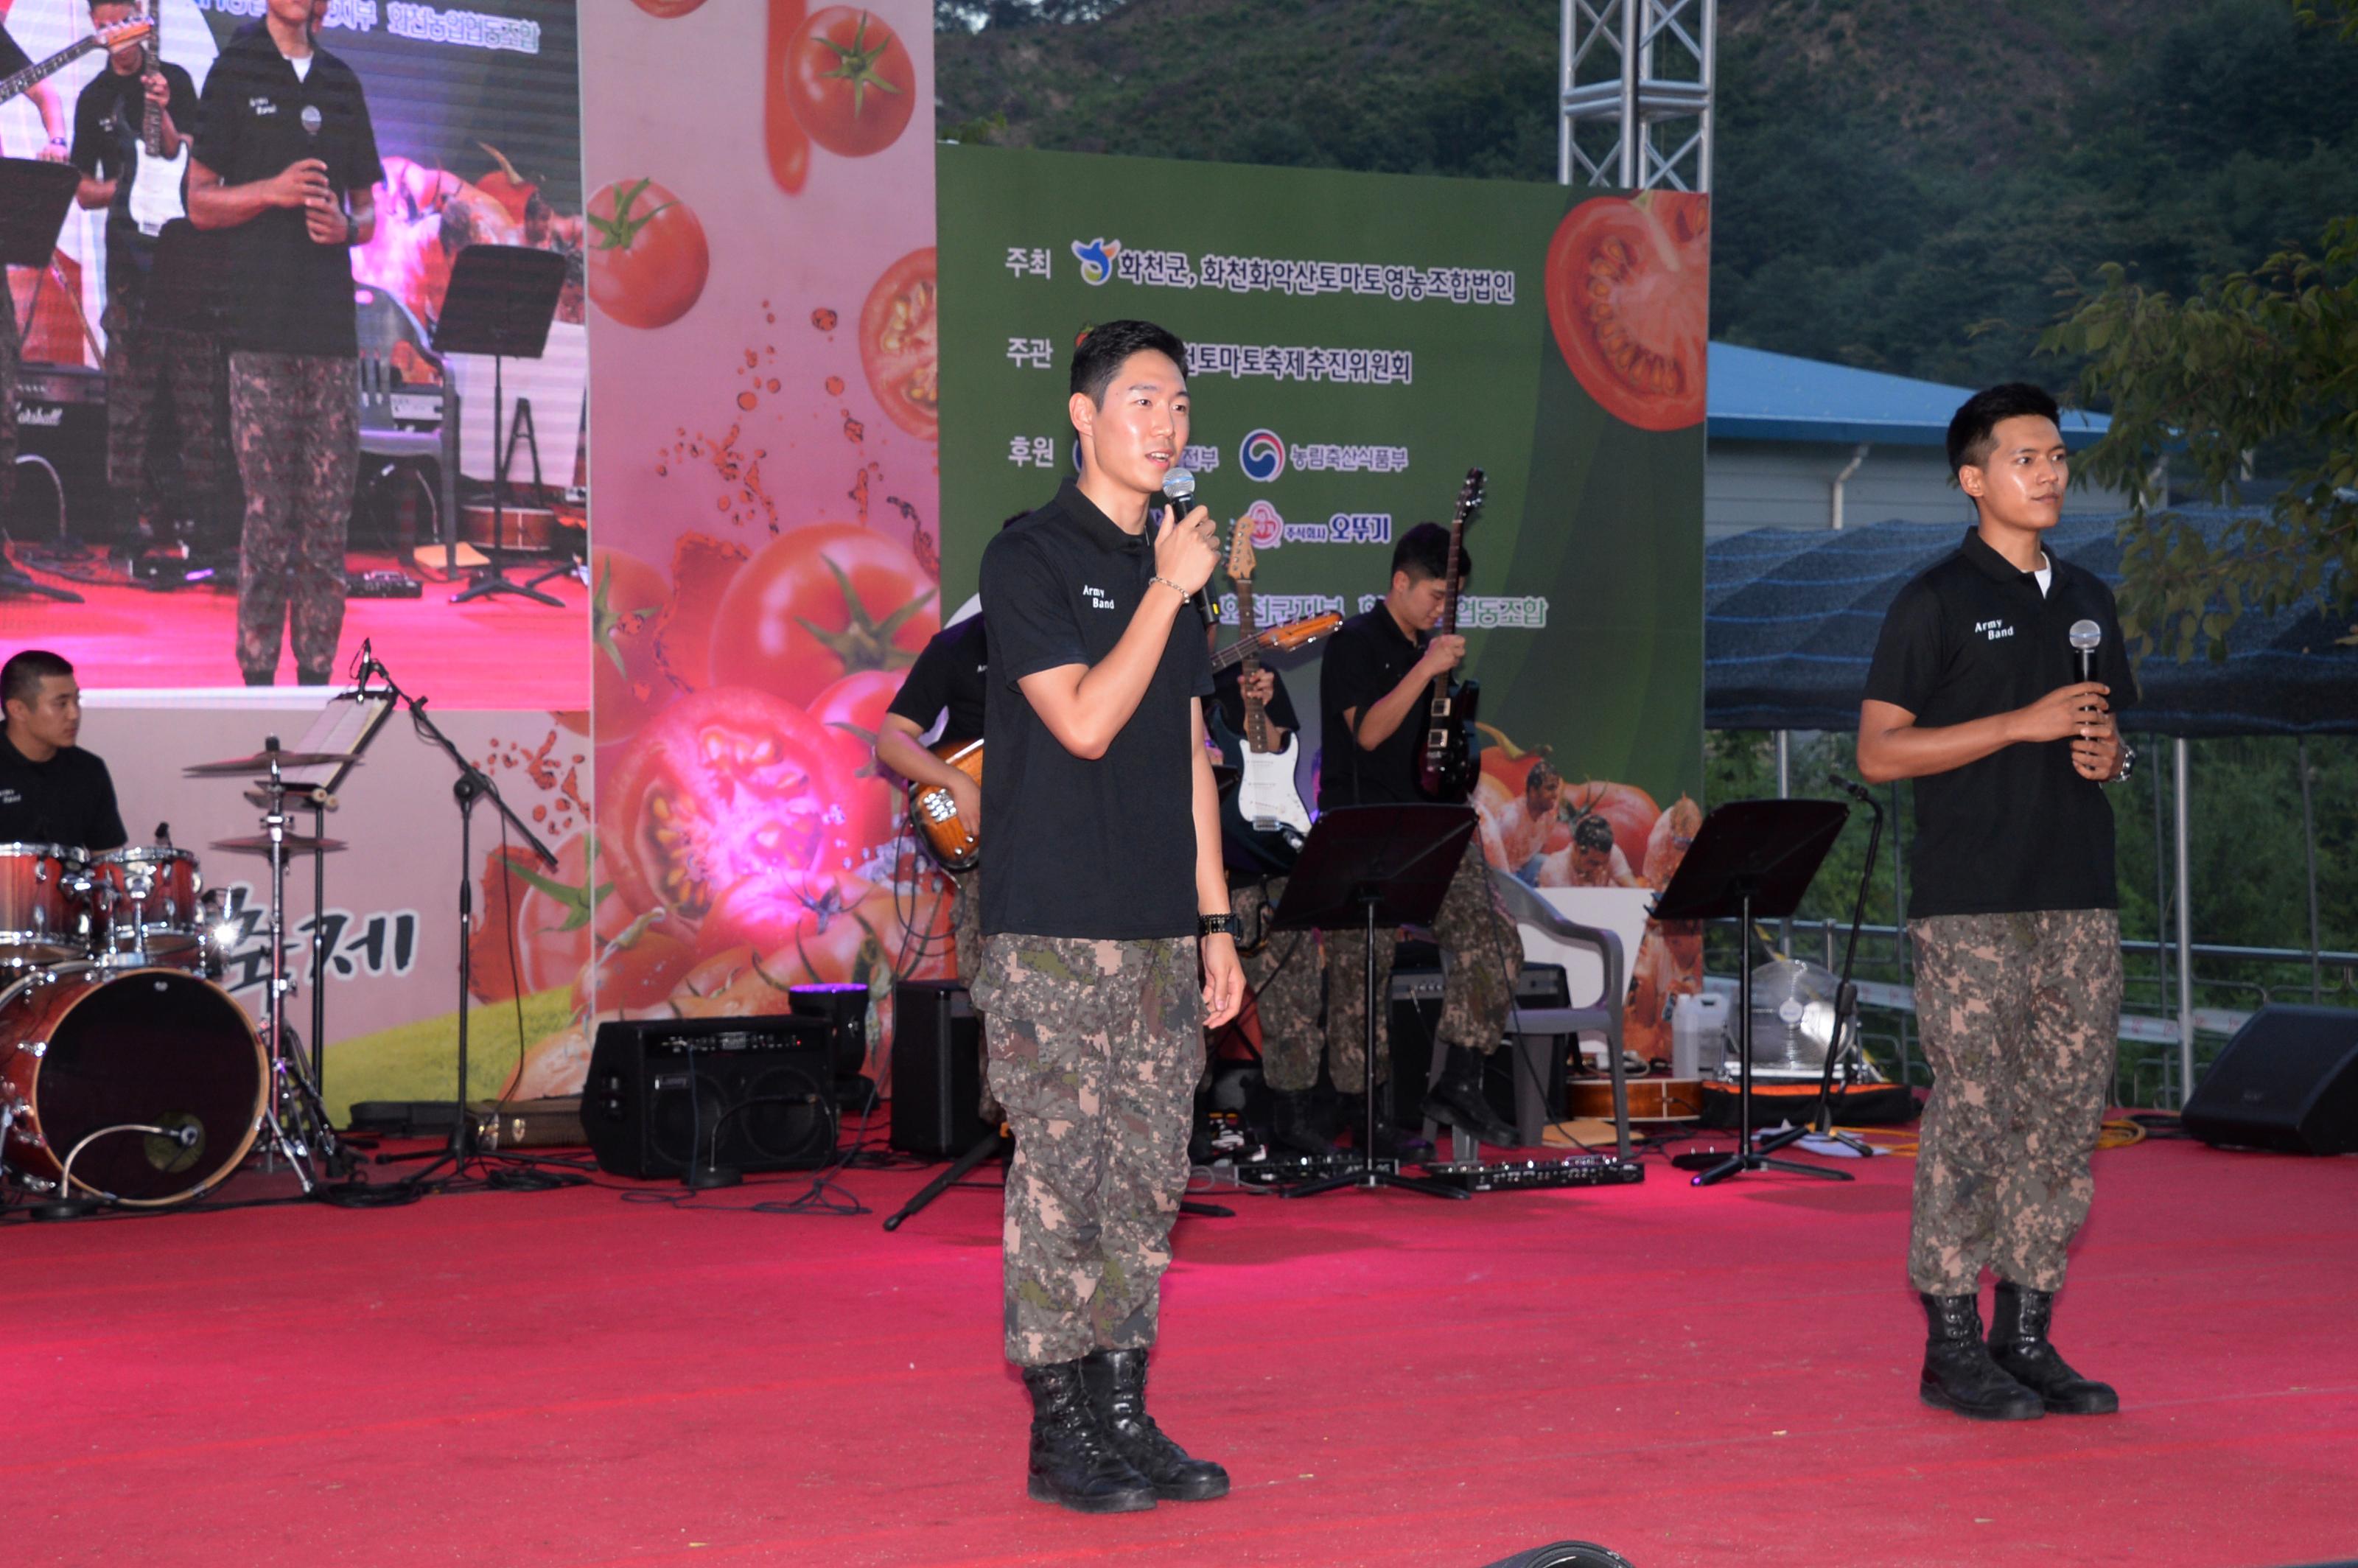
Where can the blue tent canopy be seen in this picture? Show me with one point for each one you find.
(1791, 617)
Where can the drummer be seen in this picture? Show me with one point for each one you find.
(51, 791)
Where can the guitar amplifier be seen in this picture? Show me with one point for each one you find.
(1415, 1017)
(60, 489)
(752, 1093)
(936, 1070)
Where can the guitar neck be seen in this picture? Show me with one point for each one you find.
(1256, 715)
(57, 62)
(151, 128)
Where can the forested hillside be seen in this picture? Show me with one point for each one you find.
(1900, 185)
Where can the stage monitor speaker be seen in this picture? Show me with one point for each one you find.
(936, 1070)
(2288, 1081)
(753, 1094)
(60, 476)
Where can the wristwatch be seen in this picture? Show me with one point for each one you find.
(2128, 760)
(1222, 924)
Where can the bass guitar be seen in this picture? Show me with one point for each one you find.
(1290, 638)
(156, 181)
(1445, 769)
(110, 37)
(947, 837)
(1263, 819)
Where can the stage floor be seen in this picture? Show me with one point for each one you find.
(1689, 1376)
(504, 651)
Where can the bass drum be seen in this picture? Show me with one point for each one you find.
(83, 1049)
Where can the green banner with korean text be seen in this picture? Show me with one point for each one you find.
(1356, 344)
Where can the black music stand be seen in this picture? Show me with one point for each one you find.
(34, 199)
(1374, 867)
(501, 301)
(1752, 859)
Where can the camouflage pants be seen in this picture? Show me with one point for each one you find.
(296, 422)
(165, 401)
(2020, 1015)
(1095, 1048)
(1480, 955)
(1283, 974)
(966, 936)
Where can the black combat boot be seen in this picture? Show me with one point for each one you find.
(1294, 1125)
(1392, 1143)
(1117, 1385)
(1457, 1100)
(1959, 1374)
(1074, 1460)
(2018, 1342)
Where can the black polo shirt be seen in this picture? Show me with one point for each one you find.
(2020, 830)
(1104, 848)
(108, 118)
(257, 118)
(1367, 656)
(949, 677)
(68, 800)
(1228, 697)
(13, 58)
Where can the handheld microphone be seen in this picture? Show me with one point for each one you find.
(1179, 490)
(2086, 638)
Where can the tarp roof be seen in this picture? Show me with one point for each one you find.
(1756, 395)
(1791, 617)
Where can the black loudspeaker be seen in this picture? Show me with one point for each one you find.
(2288, 1081)
(1415, 1015)
(761, 1096)
(936, 1070)
(60, 490)
(845, 1007)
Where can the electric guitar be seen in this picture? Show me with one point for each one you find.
(1445, 764)
(1263, 819)
(1292, 637)
(156, 181)
(105, 38)
(950, 839)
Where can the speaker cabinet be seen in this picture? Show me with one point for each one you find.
(752, 1093)
(936, 1070)
(2288, 1081)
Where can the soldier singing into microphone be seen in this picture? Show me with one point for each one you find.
(2011, 905)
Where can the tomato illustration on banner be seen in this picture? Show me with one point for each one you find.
(1628, 295)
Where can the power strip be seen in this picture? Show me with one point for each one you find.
(1525, 1176)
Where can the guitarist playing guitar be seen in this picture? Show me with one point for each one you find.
(131, 144)
(1376, 696)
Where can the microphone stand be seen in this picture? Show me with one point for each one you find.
(473, 785)
(1822, 1117)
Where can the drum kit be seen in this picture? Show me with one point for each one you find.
(128, 1074)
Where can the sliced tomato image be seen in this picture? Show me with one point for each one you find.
(900, 344)
(850, 80)
(1628, 294)
(724, 788)
(817, 604)
(648, 259)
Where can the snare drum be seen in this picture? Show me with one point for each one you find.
(38, 923)
(144, 902)
(86, 1050)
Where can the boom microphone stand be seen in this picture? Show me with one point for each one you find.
(473, 785)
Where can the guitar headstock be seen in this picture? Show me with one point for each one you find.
(1241, 559)
(122, 33)
(1469, 494)
(1301, 633)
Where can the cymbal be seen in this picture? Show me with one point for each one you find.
(294, 844)
(262, 762)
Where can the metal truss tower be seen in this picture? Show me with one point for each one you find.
(1636, 89)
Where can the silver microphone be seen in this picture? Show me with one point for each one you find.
(2086, 638)
(1179, 490)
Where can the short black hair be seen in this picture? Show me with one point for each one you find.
(21, 676)
(1102, 350)
(1593, 832)
(1972, 430)
(1541, 776)
(1423, 552)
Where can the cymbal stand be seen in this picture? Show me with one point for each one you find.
(298, 1121)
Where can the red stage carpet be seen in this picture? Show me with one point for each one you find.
(1717, 1377)
(503, 652)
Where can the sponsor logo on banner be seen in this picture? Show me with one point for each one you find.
(1262, 454)
(1096, 258)
(1267, 528)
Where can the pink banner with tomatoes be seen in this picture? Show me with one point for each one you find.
(764, 464)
